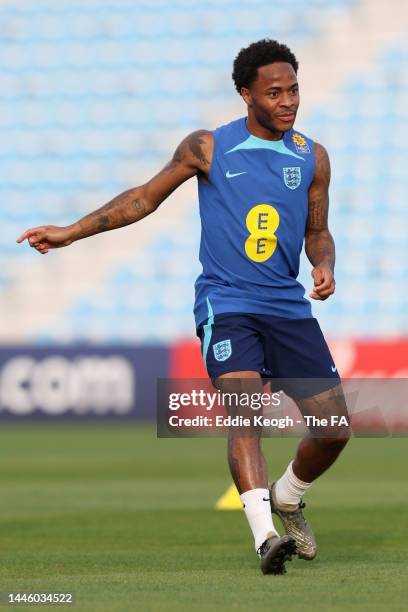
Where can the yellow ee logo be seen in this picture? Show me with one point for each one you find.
(262, 222)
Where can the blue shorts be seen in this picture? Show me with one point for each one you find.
(292, 350)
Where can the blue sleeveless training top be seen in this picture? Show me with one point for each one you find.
(253, 216)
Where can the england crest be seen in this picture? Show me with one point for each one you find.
(222, 350)
(292, 177)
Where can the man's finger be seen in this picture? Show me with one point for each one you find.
(323, 286)
(33, 236)
(316, 296)
(26, 234)
(323, 293)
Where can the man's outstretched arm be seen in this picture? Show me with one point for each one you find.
(192, 157)
(319, 243)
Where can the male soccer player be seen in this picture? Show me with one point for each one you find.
(263, 191)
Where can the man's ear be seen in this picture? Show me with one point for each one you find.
(246, 96)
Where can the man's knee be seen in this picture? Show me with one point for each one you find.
(335, 442)
(238, 382)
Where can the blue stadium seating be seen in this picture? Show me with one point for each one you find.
(368, 150)
(87, 87)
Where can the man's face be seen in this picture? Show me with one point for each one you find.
(274, 96)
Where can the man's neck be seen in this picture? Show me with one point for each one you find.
(256, 129)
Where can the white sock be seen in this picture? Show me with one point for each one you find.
(258, 512)
(289, 489)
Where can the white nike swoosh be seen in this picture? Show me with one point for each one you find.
(229, 175)
(333, 368)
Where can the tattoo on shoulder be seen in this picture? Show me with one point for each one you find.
(192, 144)
(322, 163)
(195, 142)
(318, 191)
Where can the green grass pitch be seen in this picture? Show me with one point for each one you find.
(126, 521)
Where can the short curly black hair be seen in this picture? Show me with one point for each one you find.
(257, 54)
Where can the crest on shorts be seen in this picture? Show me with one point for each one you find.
(222, 350)
(292, 177)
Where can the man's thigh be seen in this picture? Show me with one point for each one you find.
(326, 414)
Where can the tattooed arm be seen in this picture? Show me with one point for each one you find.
(191, 158)
(319, 244)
